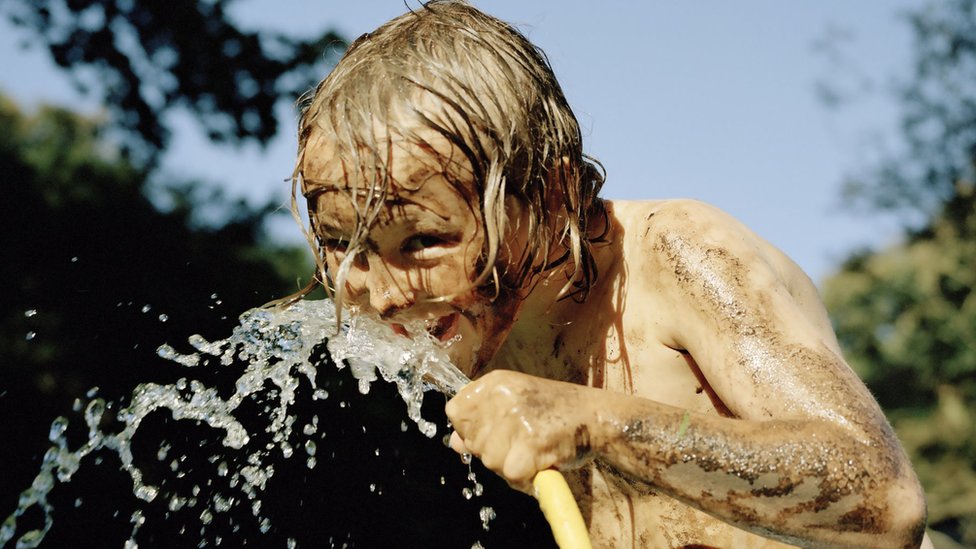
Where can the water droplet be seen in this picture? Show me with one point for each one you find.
(372, 487)
(163, 317)
(146, 308)
(58, 427)
(176, 503)
(146, 493)
(466, 492)
(466, 459)
(30, 335)
(377, 452)
(93, 413)
(487, 514)
(310, 447)
(30, 312)
(77, 502)
(222, 469)
(74, 259)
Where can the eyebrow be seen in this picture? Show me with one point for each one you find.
(323, 186)
(393, 200)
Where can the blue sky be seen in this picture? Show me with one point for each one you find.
(712, 100)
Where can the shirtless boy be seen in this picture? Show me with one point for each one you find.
(680, 369)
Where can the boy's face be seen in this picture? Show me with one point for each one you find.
(426, 243)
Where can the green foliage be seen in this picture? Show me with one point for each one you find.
(145, 58)
(906, 318)
(79, 236)
(938, 121)
(906, 315)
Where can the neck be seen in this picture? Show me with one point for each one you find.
(562, 338)
(539, 343)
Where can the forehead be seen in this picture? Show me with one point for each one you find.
(405, 156)
(423, 170)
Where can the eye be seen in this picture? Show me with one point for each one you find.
(334, 245)
(421, 242)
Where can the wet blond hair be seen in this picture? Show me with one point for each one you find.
(496, 100)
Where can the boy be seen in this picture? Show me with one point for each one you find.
(678, 368)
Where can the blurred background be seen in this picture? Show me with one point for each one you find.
(143, 153)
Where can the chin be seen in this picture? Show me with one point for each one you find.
(481, 336)
(464, 347)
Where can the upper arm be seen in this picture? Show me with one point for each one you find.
(765, 352)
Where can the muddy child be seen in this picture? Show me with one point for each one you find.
(678, 368)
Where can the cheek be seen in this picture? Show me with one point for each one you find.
(447, 279)
(463, 351)
(454, 275)
(332, 261)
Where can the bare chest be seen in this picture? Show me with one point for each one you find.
(631, 360)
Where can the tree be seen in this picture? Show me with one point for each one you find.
(906, 318)
(938, 121)
(906, 315)
(146, 58)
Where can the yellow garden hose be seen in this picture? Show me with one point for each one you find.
(560, 509)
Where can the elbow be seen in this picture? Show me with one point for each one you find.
(908, 514)
(911, 529)
(892, 515)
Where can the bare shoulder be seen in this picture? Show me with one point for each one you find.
(672, 225)
(684, 244)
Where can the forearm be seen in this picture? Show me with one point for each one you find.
(806, 482)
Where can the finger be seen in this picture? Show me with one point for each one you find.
(456, 410)
(520, 466)
(457, 444)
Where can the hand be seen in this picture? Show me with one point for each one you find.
(519, 424)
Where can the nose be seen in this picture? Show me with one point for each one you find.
(386, 286)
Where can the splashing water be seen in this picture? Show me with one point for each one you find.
(277, 347)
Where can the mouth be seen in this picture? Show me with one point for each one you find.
(445, 328)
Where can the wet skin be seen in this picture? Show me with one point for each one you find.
(697, 397)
